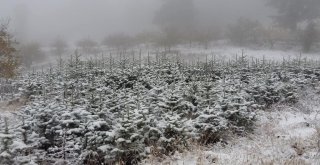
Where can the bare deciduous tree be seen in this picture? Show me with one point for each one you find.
(274, 34)
(146, 38)
(59, 47)
(245, 31)
(87, 45)
(177, 18)
(291, 12)
(119, 41)
(32, 53)
(309, 36)
(9, 62)
(204, 37)
(169, 38)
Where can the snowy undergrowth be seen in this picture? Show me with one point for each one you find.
(108, 111)
(283, 135)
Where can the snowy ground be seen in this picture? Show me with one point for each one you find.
(220, 52)
(284, 135)
(227, 52)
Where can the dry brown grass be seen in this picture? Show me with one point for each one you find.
(13, 105)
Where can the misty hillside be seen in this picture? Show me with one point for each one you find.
(159, 82)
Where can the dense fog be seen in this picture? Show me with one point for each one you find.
(61, 26)
(73, 19)
(126, 82)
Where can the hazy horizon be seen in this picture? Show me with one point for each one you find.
(42, 21)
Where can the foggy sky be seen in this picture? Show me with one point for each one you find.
(44, 20)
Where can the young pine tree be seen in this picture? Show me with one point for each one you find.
(6, 157)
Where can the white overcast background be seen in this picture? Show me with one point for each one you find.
(43, 20)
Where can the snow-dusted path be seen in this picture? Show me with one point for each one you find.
(287, 135)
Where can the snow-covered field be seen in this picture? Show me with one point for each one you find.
(283, 135)
(220, 51)
(230, 52)
(224, 105)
